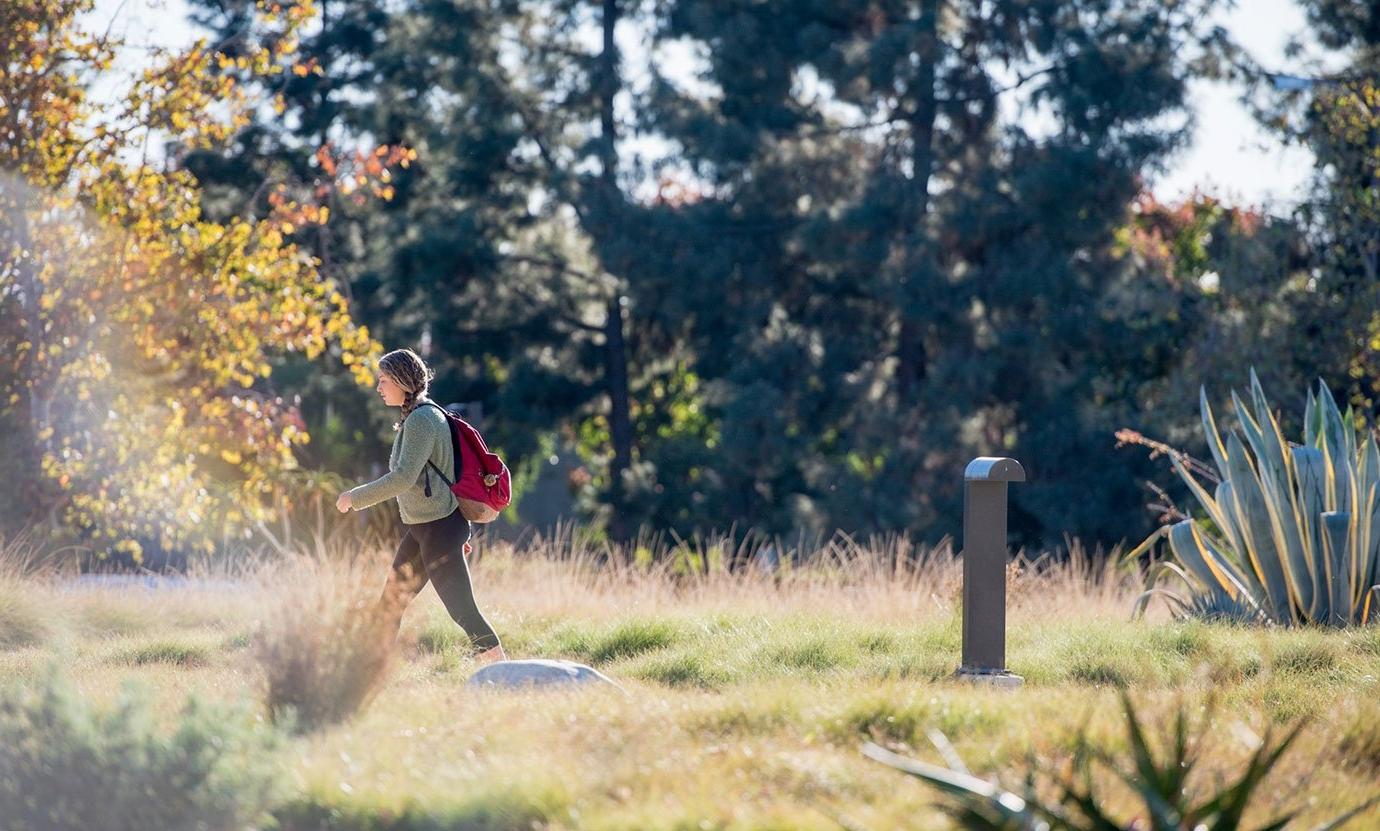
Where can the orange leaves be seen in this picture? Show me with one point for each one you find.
(309, 67)
(345, 174)
(325, 160)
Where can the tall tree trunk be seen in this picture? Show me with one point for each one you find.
(615, 345)
(911, 356)
(620, 424)
(38, 403)
(323, 230)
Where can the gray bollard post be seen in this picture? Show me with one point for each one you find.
(984, 569)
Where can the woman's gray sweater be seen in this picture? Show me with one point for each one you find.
(424, 435)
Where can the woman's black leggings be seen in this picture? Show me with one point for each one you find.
(435, 551)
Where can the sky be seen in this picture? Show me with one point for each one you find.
(1231, 156)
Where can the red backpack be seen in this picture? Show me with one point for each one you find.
(482, 484)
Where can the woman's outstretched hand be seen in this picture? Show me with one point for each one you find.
(343, 503)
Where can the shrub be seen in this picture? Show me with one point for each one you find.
(1292, 533)
(22, 622)
(65, 766)
(326, 644)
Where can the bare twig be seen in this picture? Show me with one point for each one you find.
(1198, 468)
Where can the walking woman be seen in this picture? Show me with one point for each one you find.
(432, 549)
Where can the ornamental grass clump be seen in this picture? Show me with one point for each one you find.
(65, 766)
(1290, 532)
(23, 564)
(326, 643)
(22, 620)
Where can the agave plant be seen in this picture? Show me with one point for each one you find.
(1292, 532)
(1160, 781)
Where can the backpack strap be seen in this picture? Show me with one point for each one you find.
(454, 450)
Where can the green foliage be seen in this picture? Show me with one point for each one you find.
(527, 806)
(65, 766)
(885, 318)
(809, 325)
(1160, 780)
(1292, 533)
(167, 652)
(851, 272)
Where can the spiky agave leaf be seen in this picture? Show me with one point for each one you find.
(1217, 607)
(977, 803)
(1214, 438)
(1159, 780)
(1260, 532)
(1204, 562)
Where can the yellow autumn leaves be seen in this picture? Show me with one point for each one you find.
(139, 329)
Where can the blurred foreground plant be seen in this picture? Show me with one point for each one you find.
(64, 765)
(1292, 533)
(1159, 781)
(327, 642)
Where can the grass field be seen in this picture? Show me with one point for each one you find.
(747, 696)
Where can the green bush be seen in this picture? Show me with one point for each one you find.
(65, 765)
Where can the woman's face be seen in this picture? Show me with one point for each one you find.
(392, 394)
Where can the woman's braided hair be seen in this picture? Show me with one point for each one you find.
(412, 374)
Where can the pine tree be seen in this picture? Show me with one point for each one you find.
(920, 277)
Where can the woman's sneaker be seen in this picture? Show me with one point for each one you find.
(489, 656)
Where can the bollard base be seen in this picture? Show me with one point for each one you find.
(989, 677)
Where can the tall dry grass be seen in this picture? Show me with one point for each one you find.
(325, 643)
(323, 646)
(326, 638)
(25, 562)
(883, 579)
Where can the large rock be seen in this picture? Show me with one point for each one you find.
(537, 672)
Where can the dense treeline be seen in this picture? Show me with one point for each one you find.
(798, 278)
(790, 264)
